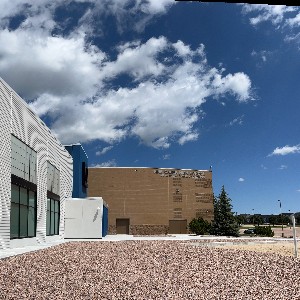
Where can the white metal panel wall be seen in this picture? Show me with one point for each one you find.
(83, 218)
(16, 118)
(5, 165)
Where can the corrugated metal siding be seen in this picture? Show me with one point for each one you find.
(5, 165)
(17, 118)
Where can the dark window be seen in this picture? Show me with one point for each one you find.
(22, 212)
(84, 174)
(53, 217)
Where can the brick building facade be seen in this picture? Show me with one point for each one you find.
(152, 201)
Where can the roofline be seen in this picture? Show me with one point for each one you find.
(77, 144)
(155, 168)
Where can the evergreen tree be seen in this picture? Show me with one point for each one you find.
(224, 221)
(199, 226)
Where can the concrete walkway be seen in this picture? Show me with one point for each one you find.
(20, 250)
(120, 237)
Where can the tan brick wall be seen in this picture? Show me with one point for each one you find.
(152, 197)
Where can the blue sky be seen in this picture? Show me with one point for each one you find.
(159, 83)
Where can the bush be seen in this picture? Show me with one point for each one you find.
(199, 226)
(264, 231)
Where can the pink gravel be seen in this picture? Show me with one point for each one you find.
(148, 270)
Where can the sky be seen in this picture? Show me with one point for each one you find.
(167, 84)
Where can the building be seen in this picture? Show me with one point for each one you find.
(35, 173)
(151, 200)
(80, 170)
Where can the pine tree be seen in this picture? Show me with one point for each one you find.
(224, 221)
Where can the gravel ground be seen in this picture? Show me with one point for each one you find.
(148, 270)
(280, 248)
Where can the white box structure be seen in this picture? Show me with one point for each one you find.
(32, 161)
(83, 218)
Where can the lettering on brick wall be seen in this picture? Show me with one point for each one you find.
(177, 213)
(180, 173)
(203, 183)
(177, 182)
(204, 197)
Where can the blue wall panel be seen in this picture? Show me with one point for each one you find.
(105, 221)
(80, 169)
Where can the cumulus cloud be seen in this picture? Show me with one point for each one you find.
(295, 21)
(286, 150)
(157, 110)
(104, 150)
(38, 65)
(273, 13)
(36, 12)
(138, 60)
(76, 84)
(285, 18)
(241, 179)
(238, 84)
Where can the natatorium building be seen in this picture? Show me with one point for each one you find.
(35, 174)
(151, 200)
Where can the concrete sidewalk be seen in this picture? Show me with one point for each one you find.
(25, 249)
(123, 237)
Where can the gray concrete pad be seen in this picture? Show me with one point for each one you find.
(123, 237)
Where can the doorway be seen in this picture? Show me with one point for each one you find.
(177, 226)
(122, 226)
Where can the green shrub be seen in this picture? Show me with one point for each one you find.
(199, 226)
(264, 231)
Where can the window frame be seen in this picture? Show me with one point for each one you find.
(53, 217)
(26, 207)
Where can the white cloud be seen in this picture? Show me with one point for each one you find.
(166, 156)
(283, 167)
(237, 121)
(37, 12)
(155, 6)
(181, 48)
(158, 111)
(135, 14)
(43, 66)
(188, 137)
(263, 167)
(262, 55)
(138, 60)
(273, 13)
(238, 84)
(286, 150)
(72, 81)
(110, 163)
(294, 22)
(241, 179)
(282, 17)
(104, 150)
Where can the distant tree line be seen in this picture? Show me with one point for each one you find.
(258, 219)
